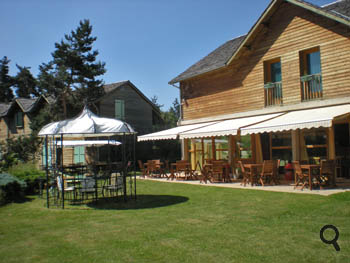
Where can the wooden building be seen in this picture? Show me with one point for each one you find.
(124, 101)
(282, 91)
(15, 117)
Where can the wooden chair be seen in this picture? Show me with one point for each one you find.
(246, 174)
(327, 173)
(183, 167)
(142, 168)
(217, 171)
(268, 172)
(205, 174)
(158, 170)
(302, 179)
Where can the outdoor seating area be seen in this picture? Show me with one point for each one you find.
(77, 184)
(265, 175)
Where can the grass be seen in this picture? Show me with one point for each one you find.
(179, 223)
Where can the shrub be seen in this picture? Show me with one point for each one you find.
(28, 173)
(11, 189)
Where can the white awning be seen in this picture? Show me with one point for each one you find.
(227, 127)
(302, 119)
(172, 133)
(88, 143)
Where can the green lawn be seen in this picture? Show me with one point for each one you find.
(179, 223)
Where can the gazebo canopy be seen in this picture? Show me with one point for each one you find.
(87, 124)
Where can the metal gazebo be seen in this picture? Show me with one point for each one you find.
(89, 125)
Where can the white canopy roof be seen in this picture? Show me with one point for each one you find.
(302, 119)
(227, 127)
(172, 133)
(87, 143)
(87, 124)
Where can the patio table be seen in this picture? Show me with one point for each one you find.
(253, 167)
(310, 168)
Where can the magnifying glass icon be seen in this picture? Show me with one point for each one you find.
(334, 240)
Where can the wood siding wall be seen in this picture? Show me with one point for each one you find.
(240, 86)
(8, 128)
(138, 112)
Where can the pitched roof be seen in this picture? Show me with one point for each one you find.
(26, 104)
(223, 56)
(4, 108)
(341, 8)
(108, 88)
(215, 60)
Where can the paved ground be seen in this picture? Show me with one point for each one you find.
(342, 186)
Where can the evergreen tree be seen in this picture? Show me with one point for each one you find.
(71, 76)
(6, 81)
(25, 83)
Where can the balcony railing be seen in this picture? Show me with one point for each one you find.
(311, 87)
(273, 93)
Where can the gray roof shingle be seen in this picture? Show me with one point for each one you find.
(4, 108)
(341, 8)
(26, 104)
(220, 56)
(214, 60)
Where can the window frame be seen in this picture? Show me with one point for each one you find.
(119, 111)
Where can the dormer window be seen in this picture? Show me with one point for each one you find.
(273, 82)
(310, 74)
(19, 119)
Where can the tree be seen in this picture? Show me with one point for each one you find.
(6, 81)
(25, 83)
(71, 76)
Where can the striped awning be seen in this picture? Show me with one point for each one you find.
(227, 127)
(172, 133)
(301, 119)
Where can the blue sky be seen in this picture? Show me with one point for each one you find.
(148, 42)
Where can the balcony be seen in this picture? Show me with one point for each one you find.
(311, 87)
(273, 93)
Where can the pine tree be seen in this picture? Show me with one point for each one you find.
(25, 83)
(6, 81)
(72, 74)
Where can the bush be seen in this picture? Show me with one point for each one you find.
(11, 189)
(28, 173)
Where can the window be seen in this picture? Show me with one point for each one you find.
(221, 148)
(49, 159)
(315, 145)
(119, 107)
(19, 119)
(310, 74)
(79, 154)
(281, 147)
(245, 147)
(273, 82)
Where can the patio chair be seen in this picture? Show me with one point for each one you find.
(69, 190)
(302, 179)
(268, 172)
(217, 171)
(88, 186)
(205, 174)
(246, 174)
(142, 168)
(116, 184)
(327, 173)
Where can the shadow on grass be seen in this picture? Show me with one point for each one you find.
(19, 200)
(142, 202)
